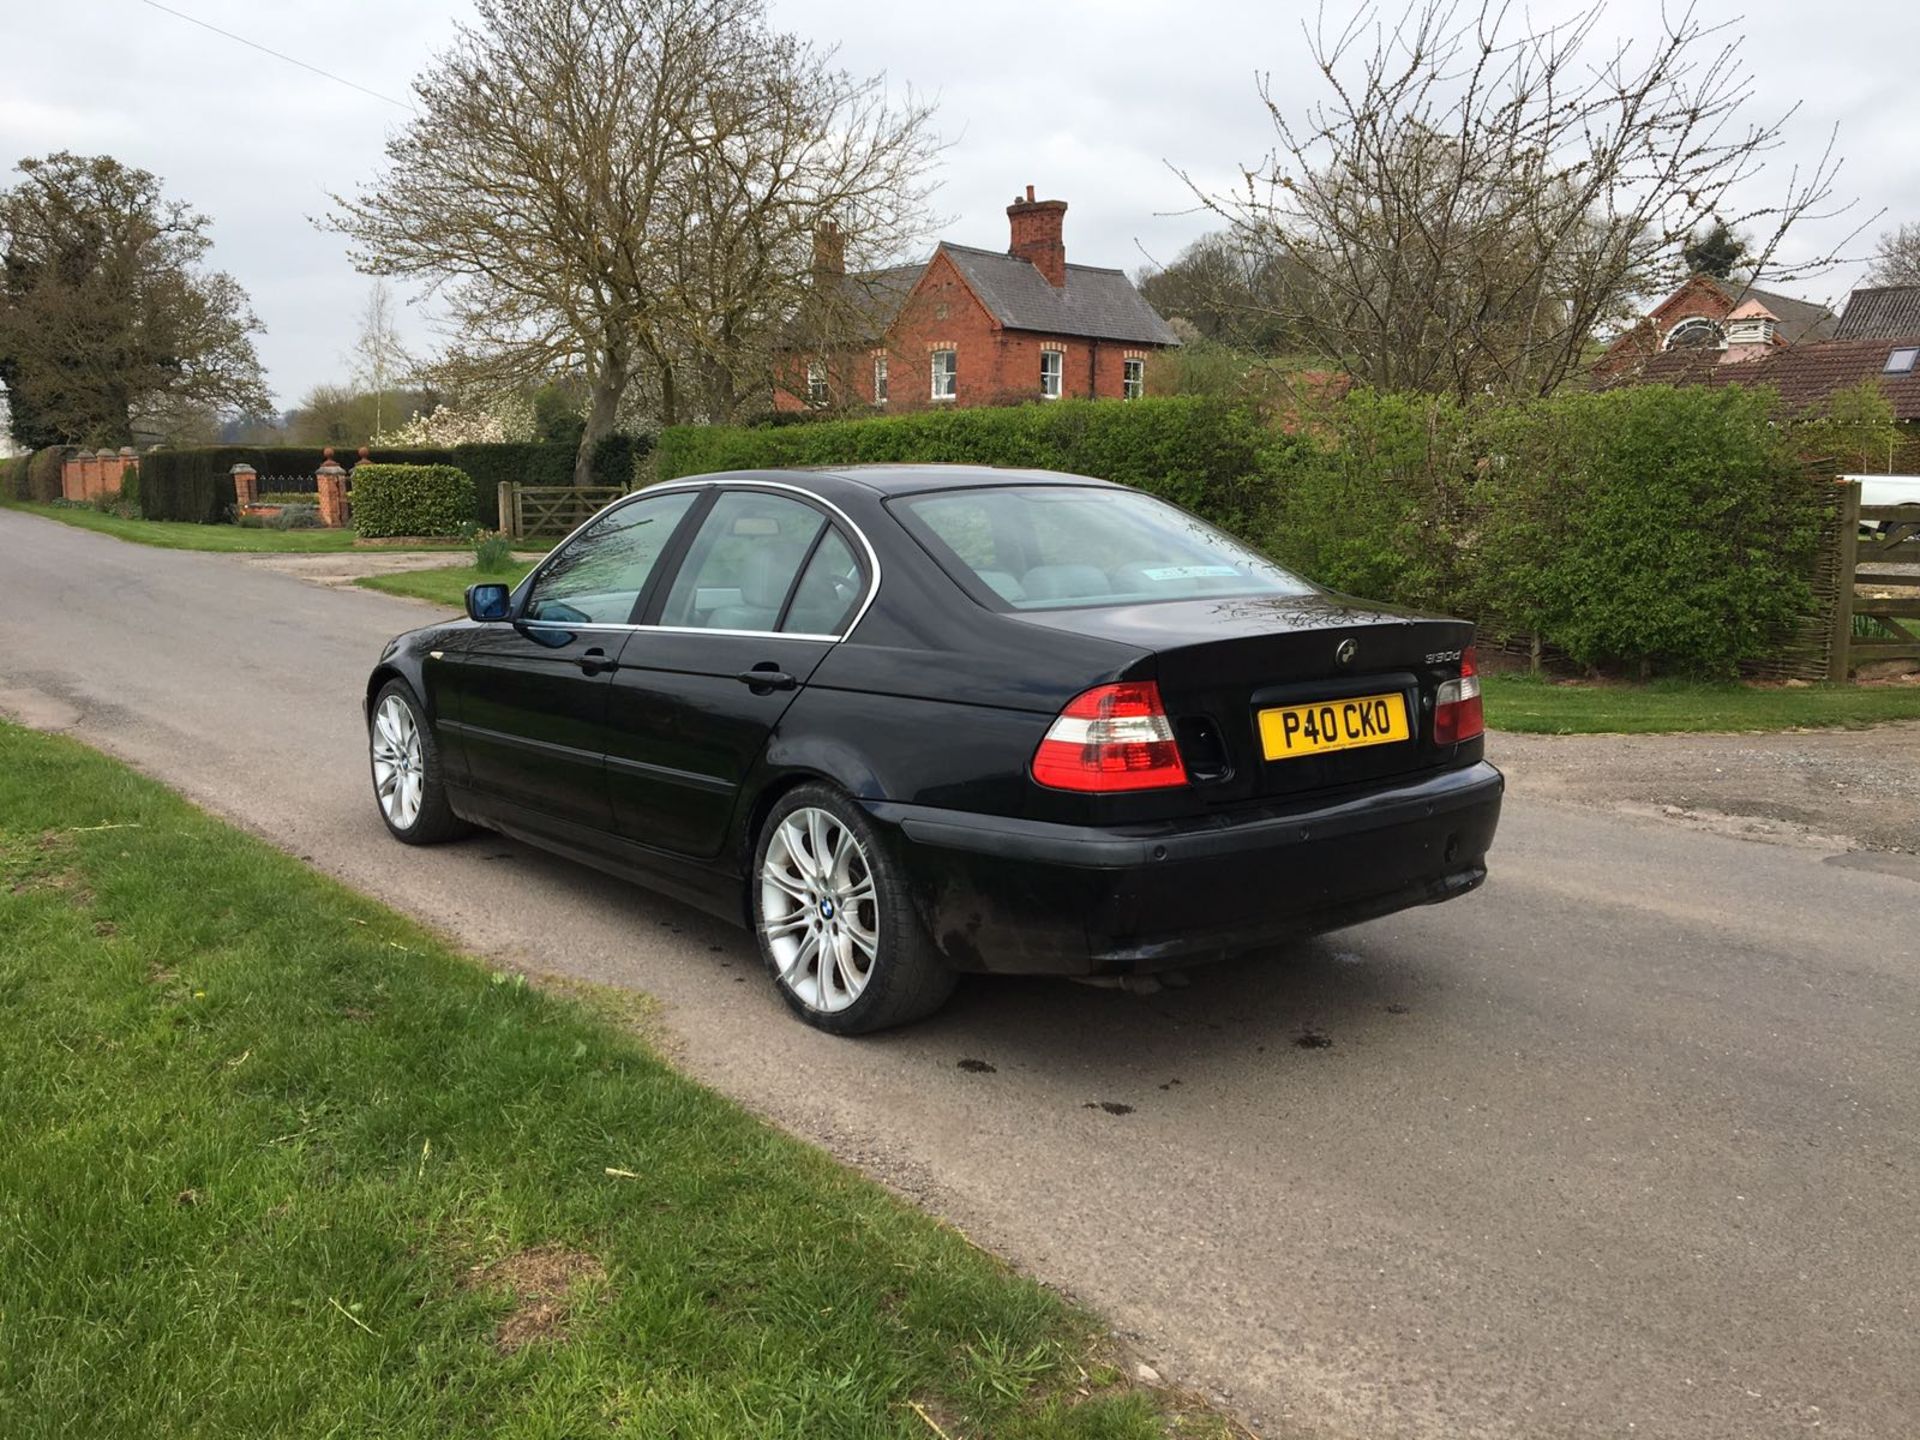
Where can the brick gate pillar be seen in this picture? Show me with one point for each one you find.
(246, 485)
(334, 510)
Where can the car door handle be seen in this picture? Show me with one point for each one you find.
(767, 679)
(596, 660)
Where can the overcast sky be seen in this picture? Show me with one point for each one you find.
(1086, 101)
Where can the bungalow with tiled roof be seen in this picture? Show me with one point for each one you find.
(973, 327)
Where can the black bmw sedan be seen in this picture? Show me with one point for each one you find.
(907, 721)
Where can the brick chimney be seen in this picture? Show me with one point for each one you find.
(829, 249)
(1036, 228)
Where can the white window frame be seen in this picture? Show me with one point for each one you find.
(1133, 378)
(880, 379)
(949, 373)
(1053, 374)
(1671, 341)
(817, 382)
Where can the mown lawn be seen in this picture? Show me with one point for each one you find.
(1522, 703)
(445, 585)
(177, 535)
(273, 1161)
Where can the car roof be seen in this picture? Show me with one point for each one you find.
(903, 479)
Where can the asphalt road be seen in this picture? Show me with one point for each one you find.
(1624, 1144)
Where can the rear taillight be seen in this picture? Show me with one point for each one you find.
(1113, 737)
(1457, 714)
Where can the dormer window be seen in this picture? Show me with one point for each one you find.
(1901, 361)
(1696, 333)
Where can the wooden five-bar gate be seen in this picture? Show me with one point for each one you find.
(1878, 616)
(547, 512)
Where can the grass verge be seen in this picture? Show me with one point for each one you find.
(273, 1161)
(179, 535)
(1544, 707)
(443, 585)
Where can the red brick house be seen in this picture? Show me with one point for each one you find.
(1701, 315)
(974, 327)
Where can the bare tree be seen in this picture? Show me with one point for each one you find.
(586, 188)
(1478, 199)
(1896, 258)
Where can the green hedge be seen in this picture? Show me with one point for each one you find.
(195, 484)
(43, 474)
(1646, 529)
(411, 499)
(13, 478)
(1197, 452)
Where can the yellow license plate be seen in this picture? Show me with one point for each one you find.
(1289, 731)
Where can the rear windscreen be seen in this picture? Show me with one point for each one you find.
(1053, 546)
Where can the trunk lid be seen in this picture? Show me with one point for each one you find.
(1221, 662)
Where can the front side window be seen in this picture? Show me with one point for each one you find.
(879, 379)
(946, 374)
(1054, 546)
(597, 577)
(1052, 364)
(1133, 379)
(742, 563)
(816, 382)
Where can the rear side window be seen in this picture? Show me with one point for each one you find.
(829, 588)
(1055, 546)
(742, 562)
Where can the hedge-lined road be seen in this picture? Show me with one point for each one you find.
(1625, 1140)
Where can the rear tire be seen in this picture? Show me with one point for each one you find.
(409, 782)
(834, 922)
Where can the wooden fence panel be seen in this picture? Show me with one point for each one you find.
(1893, 628)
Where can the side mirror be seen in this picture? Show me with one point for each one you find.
(489, 601)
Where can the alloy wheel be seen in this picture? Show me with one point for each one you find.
(819, 909)
(399, 762)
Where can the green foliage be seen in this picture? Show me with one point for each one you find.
(556, 414)
(13, 478)
(1714, 251)
(43, 474)
(1645, 529)
(1855, 433)
(130, 490)
(492, 553)
(197, 485)
(411, 499)
(615, 456)
(1197, 452)
(302, 516)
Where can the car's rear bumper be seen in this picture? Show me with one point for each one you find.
(1029, 897)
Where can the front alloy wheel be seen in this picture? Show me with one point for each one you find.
(405, 760)
(399, 766)
(833, 919)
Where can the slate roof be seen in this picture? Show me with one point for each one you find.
(1800, 320)
(1881, 312)
(1805, 375)
(874, 297)
(1101, 304)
